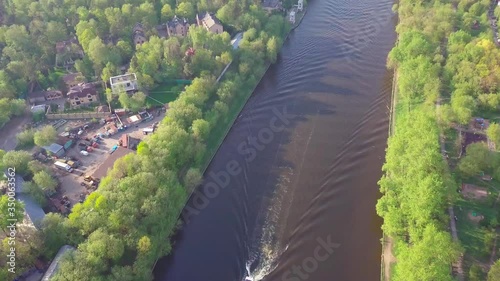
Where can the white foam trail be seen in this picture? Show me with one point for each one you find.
(265, 255)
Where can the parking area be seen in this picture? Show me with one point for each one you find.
(74, 187)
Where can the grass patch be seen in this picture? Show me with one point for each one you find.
(164, 93)
(475, 237)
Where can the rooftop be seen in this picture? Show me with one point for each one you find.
(176, 21)
(53, 148)
(32, 209)
(44, 93)
(71, 77)
(55, 262)
(271, 4)
(82, 90)
(122, 78)
(209, 19)
(102, 170)
(19, 182)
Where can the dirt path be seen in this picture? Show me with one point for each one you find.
(9, 131)
(493, 251)
(387, 257)
(459, 263)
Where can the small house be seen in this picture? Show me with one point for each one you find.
(271, 5)
(55, 149)
(124, 83)
(65, 142)
(177, 27)
(300, 5)
(292, 17)
(139, 36)
(120, 111)
(72, 79)
(38, 108)
(82, 94)
(102, 109)
(210, 22)
(43, 96)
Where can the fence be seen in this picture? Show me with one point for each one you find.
(78, 115)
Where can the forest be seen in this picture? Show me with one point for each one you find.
(447, 72)
(121, 229)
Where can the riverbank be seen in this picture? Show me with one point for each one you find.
(416, 185)
(218, 136)
(298, 20)
(387, 257)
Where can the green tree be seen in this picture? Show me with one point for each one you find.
(494, 273)
(45, 136)
(477, 159)
(192, 179)
(272, 49)
(475, 273)
(125, 50)
(166, 13)
(98, 53)
(18, 160)
(55, 233)
(45, 181)
(26, 138)
(427, 259)
(201, 129)
(493, 133)
(185, 9)
(10, 209)
(144, 245)
(35, 192)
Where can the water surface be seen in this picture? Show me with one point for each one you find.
(305, 157)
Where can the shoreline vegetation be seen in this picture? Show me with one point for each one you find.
(123, 227)
(416, 185)
(442, 168)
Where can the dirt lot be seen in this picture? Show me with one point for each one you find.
(474, 192)
(71, 182)
(476, 219)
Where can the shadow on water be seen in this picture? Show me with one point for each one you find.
(272, 197)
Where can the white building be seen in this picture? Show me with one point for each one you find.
(300, 5)
(38, 108)
(124, 83)
(292, 17)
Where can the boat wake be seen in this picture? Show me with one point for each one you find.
(267, 250)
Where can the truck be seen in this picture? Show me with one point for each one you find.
(71, 163)
(63, 166)
(148, 130)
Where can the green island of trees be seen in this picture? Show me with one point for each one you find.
(121, 229)
(447, 74)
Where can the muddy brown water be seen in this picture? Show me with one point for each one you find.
(291, 193)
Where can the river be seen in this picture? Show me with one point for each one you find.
(291, 193)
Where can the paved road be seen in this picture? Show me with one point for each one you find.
(459, 264)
